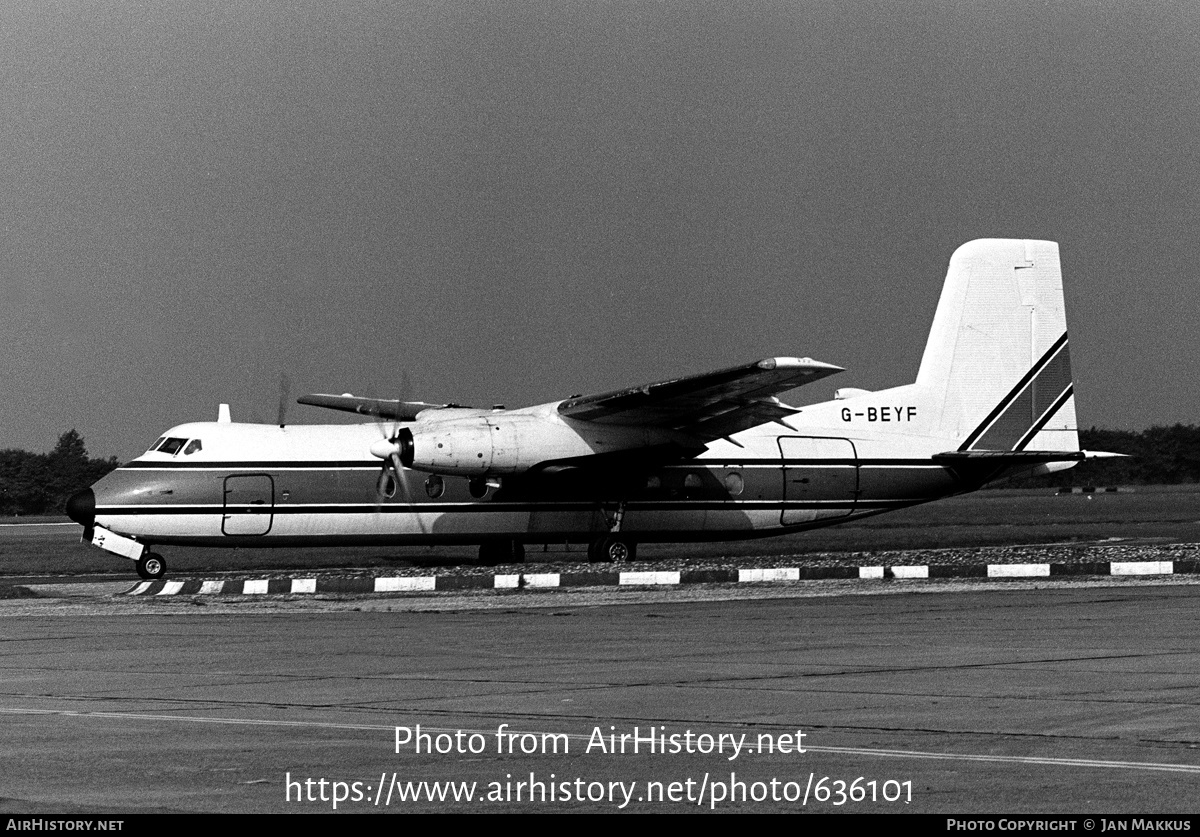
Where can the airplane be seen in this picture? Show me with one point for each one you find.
(699, 458)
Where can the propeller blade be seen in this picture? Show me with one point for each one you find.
(396, 467)
(388, 472)
(285, 389)
(393, 470)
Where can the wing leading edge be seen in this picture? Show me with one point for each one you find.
(708, 406)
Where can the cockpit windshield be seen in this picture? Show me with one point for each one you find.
(172, 446)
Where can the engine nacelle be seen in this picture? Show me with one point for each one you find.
(509, 443)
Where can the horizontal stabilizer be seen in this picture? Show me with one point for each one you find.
(978, 467)
(1008, 457)
(1021, 457)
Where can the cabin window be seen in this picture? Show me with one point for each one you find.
(172, 446)
(192, 447)
(434, 486)
(692, 481)
(734, 483)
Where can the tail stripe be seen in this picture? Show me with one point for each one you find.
(1046, 416)
(1032, 402)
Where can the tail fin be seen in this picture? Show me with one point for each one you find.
(997, 370)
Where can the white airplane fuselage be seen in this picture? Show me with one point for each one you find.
(265, 485)
(712, 456)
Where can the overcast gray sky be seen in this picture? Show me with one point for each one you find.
(513, 202)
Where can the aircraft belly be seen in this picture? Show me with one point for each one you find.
(904, 480)
(352, 524)
(722, 518)
(553, 522)
(151, 528)
(661, 520)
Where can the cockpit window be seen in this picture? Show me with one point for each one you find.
(192, 447)
(171, 446)
(154, 446)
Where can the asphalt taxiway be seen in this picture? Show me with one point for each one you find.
(953, 697)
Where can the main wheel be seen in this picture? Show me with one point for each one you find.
(151, 566)
(611, 550)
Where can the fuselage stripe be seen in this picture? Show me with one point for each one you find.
(285, 465)
(505, 508)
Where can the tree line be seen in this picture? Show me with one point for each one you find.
(1157, 456)
(40, 483)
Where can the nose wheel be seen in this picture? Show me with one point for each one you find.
(151, 566)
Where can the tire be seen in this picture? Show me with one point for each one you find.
(151, 566)
(611, 551)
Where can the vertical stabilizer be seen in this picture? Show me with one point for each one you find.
(997, 370)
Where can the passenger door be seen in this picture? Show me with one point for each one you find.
(820, 478)
(249, 505)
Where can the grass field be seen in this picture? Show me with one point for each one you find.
(1148, 514)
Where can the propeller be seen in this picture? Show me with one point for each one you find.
(285, 389)
(390, 448)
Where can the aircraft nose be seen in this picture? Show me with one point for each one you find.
(81, 507)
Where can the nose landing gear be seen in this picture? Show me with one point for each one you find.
(151, 566)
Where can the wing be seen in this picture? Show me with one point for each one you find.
(384, 408)
(707, 406)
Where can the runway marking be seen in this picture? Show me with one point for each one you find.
(1043, 760)
(141, 716)
(38, 524)
(855, 751)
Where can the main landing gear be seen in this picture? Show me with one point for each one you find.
(151, 566)
(612, 550)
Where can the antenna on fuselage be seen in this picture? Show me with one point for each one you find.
(223, 414)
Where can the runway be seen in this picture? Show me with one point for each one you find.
(940, 697)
